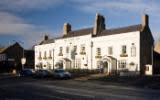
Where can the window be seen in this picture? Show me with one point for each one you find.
(122, 64)
(2, 57)
(99, 63)
(50, 54)
(75, 49)
(45, 55)
(78, 63)
(110, 50)
(40, 56)
(67, 49)
(98, 53)
(133, 50)
(124, 49)
(82, 51)
(60, 51)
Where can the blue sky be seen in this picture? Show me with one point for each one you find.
(28, 21)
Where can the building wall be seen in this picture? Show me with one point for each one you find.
(146, 49)
(116, 42)
(71, 42)
(47, 63)
(88, 61)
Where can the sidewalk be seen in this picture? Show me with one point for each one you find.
(7, 75)
(150, 82)
(93, 76)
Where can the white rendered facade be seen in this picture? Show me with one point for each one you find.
(114, 52)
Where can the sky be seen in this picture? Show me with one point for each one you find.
(27, 21)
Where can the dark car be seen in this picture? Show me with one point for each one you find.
(26, 72)
(61, 74)
(42, 73)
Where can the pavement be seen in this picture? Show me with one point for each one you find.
(17, 88)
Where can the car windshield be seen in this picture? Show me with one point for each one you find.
(59, 71)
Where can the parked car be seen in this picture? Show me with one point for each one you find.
(61, 74)
(41, 73)
(26, 72)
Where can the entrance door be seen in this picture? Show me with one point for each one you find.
(105, 67)
(68, 64)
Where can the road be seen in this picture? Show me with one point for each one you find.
(43, 89)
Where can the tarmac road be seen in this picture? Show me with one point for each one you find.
(16, 88)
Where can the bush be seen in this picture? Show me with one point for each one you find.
(82, 72)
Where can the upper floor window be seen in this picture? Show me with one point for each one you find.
(133, 50)
(98, 53)
(2, 57)
(50, 54)
(124, 49)
(110, 50)
(67, 49)
(75, 49)
(82, 51)
(45, 55)
(40, 56)
(60, 51)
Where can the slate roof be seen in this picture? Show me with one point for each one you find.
(47, 41)
(120, 30)
(105, 32)
(79, 32)
(6, 48)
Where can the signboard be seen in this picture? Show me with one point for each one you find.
(23, 61)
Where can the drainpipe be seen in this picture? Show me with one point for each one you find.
(91, 55)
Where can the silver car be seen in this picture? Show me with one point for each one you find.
(61, 74)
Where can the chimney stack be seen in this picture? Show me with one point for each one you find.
(145, 20)
(46, 37)
(99, 24)
(66, 28)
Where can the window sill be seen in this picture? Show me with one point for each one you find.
(124, 55)
(98, 56)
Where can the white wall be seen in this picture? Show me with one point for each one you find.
(115, 41)
(42, 49)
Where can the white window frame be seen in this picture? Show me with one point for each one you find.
(133, 50)
(110, 50)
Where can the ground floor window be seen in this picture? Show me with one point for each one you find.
(99, 64)
(122, 64)
(78, 63)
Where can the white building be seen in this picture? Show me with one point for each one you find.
(127, 48)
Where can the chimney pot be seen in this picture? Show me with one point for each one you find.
(66, 28)
(46, 37)
(145, 20)
(99, 24)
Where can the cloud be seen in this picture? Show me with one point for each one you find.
(117, 7)
(23, 5)
(13, 25)
(136, 6)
